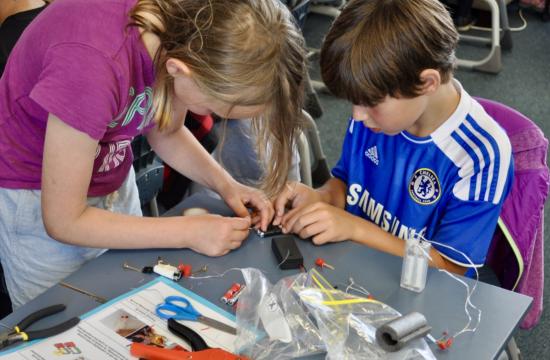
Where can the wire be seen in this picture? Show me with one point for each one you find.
(215, 276)
(359, 289)
(469, 293)
(517, 29)
(286, 257)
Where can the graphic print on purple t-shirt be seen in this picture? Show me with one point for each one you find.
(92, 72)
(111, 153)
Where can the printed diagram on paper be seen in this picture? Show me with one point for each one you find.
(108, 331)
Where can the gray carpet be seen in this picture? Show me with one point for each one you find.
(522, 84)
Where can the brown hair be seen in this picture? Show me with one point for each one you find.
(379, 47)
(241, 52)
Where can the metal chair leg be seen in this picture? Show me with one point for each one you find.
(320, 172)
(506, 39)
(492, 62)
(153, 207)
(305, 160)
(513, 351)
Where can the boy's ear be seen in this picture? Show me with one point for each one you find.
(177, 67)
(431, 79)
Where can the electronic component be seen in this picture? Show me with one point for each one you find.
(236, 287)
(145, 269)
(185, 269)
(415, 264)
(322, 263)
(272, 230)
(168, 271)
(286, 251)
(236, 296)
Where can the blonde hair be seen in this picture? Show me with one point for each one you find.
(241, 52)
(377, 48)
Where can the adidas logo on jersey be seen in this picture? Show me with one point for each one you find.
(372, 154)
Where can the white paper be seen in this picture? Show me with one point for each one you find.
(107, 332)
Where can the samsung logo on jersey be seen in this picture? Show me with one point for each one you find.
(373, 210)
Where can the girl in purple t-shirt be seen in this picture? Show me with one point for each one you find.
(86, 77)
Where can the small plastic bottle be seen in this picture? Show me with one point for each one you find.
(415, 264)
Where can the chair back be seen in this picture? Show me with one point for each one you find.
(517, 250)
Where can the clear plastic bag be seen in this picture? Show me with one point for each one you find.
(303, 315)
(271, 321)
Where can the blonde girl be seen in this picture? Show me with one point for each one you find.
(86, 77)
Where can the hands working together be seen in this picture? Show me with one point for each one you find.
(312, 215)
(223, 234)
(298, 209)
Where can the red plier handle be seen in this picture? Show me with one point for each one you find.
(150, 352)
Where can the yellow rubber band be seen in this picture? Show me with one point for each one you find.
(350, 301)
(322, 278)
(314, 278)
(341, 302)
(24, 336)
(17, 330)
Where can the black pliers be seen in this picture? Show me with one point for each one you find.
(196, 341)
(18, 333)
(199, 349)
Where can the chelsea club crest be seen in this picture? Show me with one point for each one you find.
(424, 187)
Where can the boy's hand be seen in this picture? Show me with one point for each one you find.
(216, 235)
(321, 221)
(297, 195)
(239, 197)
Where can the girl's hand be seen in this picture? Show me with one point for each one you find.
(297, 195)
(321, 221)
(216, 235)
(240, 197)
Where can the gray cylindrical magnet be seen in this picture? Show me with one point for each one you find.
(395, 334)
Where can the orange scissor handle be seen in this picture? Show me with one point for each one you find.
(150, 352)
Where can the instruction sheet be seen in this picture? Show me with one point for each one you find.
(108, 331)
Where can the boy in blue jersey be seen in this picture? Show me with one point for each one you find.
(420, 155)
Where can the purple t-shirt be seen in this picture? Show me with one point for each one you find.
(79, 61)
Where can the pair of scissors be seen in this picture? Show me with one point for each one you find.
(18, 333)
(179, 308)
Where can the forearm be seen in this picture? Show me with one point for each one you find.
(104, 229)
(66, 215)
(333, 192)
(181, 150)
(370, 234)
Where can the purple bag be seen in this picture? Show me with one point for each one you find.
(517, 250)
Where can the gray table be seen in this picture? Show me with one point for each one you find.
(442, 301)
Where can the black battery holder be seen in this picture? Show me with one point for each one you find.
(285, 248)
(272, 230)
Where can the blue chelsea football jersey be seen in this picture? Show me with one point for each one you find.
(448, 186)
